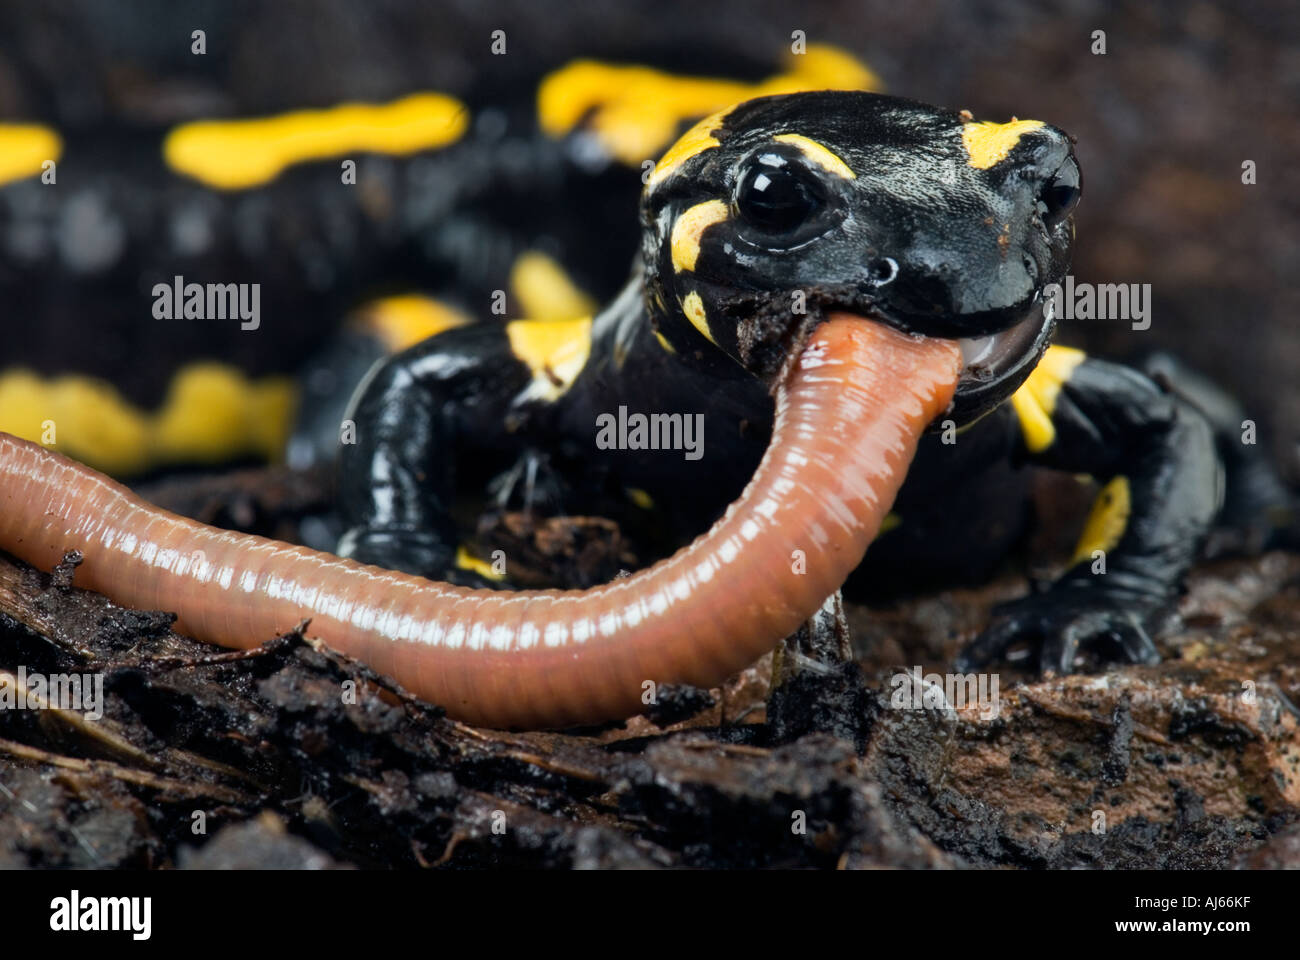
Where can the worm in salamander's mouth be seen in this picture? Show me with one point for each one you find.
(993, 365)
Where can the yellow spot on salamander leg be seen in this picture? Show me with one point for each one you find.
(545, 292)
(238, 154)
(24, 148)
(1107, 521)
(407, 319)
(554, 350)
(690, 227)
(467, 561)
(988, 143)
(1035, 401)
(821, 67)
(818, 154)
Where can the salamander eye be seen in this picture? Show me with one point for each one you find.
(1060, 194)
(777, 196)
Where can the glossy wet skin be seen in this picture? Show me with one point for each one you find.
(870, 204)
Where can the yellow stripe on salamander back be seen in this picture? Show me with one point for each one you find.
(211, 413)
(25, 148)
(404, 320)
(545, 291)
(635, 111)
(555, 351)
(244, 153)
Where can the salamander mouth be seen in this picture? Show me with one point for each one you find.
(994, 365)
(992, 358)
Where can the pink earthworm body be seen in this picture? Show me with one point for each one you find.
(848, 417)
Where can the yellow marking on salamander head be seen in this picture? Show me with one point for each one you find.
(818, 154)
(635, 111)
(1035, 401)
(407, 319)
(545, 291)
(554, 350)
(1107, 520)
(988, 144)
(24, 148)
(693, 308)
(692, 143)
(238, 154)
(689, 229)
(663, 342)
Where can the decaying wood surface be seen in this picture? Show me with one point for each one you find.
(293, 756)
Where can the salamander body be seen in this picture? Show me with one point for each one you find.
(755, 224)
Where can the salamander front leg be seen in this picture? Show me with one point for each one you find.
(416, 415)
(1162, 485)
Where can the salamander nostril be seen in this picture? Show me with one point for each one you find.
(882, 271)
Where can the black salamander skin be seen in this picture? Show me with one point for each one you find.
(451, 219)
(875, 206)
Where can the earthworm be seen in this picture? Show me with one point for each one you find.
(849, 413)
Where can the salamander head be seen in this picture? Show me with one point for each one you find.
(763, 217)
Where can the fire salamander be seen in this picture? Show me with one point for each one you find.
(446, 201)
(756, 223)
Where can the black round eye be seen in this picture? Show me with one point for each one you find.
(1060, 194)
(777, 197)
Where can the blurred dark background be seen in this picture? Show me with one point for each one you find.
(1185, 93)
